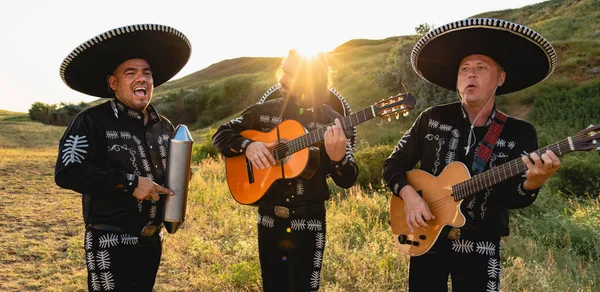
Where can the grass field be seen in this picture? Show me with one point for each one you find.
(553, 247)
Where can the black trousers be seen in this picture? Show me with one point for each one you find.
(291, 249)
(473, 264)
(121, 261)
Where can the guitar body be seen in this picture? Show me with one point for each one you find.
(437, 192)
(249, 184)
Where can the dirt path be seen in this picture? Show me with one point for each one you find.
(40, 225)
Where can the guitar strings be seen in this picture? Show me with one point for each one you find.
(463, 189)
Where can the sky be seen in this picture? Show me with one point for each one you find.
(35, 36)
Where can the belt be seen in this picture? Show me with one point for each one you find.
(287, 212)
(148, 230)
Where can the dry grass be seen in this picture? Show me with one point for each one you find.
(41, 236)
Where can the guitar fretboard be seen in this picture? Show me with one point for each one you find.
(505, 171)
(310, 138)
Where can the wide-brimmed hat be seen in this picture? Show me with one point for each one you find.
(86, 68)
(336, 101)
(526, 56)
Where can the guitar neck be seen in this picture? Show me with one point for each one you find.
(317, 135)
(505, 171)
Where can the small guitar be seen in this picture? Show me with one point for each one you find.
(293, 152)
(445, 193)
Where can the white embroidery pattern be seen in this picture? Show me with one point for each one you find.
(298, 224)
(265, 118)
(125, 135)
(88, 240)
(314, 225)
(445, 128)
(501, 143)
(486, 248)
(315, 279)
(318, 259)
(108, 283)
(450, 157)
(311, 125)
(471, 214)
(112, 135)
(488, 191)
(153, 211)
(142, 151)
(163, 151)
(90, 261)
(95, 283)
(511, 144)
(320, 240)
(455, 133)
(462, 245)
(494, 268)
(453, 144)
(73, 149)
(276, 120)
(129, 239)
(146, 165)
(267, 221)
(402, 141)
(492, 286)
(433, 123)
(103, 259)
(108, 240)
(299, 188)
(441, 142)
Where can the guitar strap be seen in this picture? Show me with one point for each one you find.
(489, 142)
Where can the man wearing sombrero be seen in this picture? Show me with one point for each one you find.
(115, 153)
(477, 58)
(291, 214)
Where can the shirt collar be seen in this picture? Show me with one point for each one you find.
(466, 117)
(120, 109)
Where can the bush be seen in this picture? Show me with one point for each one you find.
(203, 148)
(370, 164)
(578, 175)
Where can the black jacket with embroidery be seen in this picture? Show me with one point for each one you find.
(439, 136)
(101, 154)
(265, 117)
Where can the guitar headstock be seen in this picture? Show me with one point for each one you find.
(587, 139)
(395, 105)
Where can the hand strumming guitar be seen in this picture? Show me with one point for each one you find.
(260, 155)
(416, 209)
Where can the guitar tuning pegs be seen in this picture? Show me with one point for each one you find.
(389, 118)
(397, 116)
(405, 114)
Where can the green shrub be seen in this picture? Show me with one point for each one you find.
(578, 174)
(203, 148)
(370, 164)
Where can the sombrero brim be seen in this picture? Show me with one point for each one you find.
(336, 101)
(86, 68)
(527, 57)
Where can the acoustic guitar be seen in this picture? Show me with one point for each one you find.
(294, 152)
(444, 193)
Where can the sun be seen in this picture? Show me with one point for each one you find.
(309, 50)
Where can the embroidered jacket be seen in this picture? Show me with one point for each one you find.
(439, 137)
(101, 155)
(265, 117)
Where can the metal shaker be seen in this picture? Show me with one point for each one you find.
(179, 158)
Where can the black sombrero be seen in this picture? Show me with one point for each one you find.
(336, 101)
(525, 55)
(166, 50)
